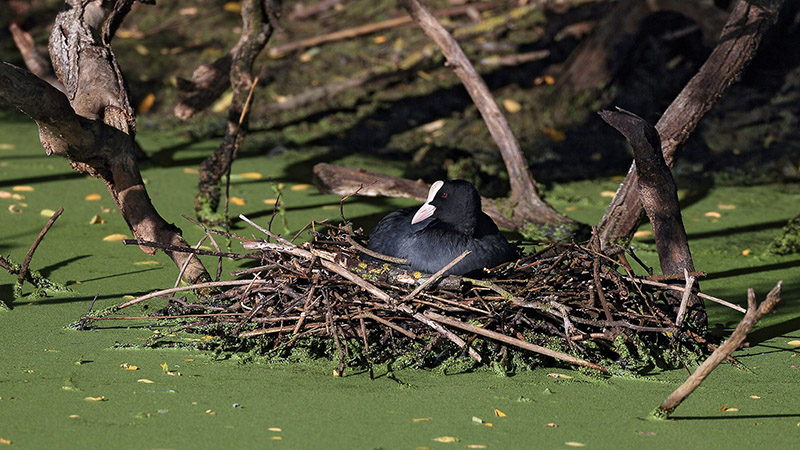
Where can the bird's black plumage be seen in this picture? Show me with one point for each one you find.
(447, 224)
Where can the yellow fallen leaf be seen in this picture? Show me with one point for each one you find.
(190, 11)
(270, 201)
(446, 439)
(755, 397)
(234, 7)
(73, 416)
(713, 214)
(46, 212)
(745, 252)
(145, 381)
(574, 444)
(5, 194)
(238, 201)
(301, 187)
(436, 125)
(14, 210)
(499, 413)
(188, 360)
(5, 441)
(725, 206)
(190, 170)
(794, 343)
(476, 446)
(558, 375)
(608, 194)
(276, 429)
(6, 146)
(115, 237)
(724, 407)
(554, 135)
(22, 188)
(642, 234)
(223, 103)
(102, 398)
(96, 220)
(251, 175)
(127, 366)
(511, 106)
(379, 39)
(552, 425)
(147, 103)
(421, 419)
(277, 438)
(210, 412)
(547, 79)
(146, 263)
(732, 410)
(130, 34)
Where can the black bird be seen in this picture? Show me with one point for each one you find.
(447, 224)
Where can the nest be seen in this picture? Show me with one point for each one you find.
(563, 304)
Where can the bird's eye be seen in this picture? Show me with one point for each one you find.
(444, 195)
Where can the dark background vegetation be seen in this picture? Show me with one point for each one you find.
(749, 137)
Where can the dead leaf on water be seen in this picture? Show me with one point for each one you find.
(5, 441)
(277, 438)
(145, 381)
(46, 212)
(574, 444)
(22, 188)
(147, 103)
(127, 366)
(190, 11)
(102, 398)
(552, 425)
(554, 135)
(234, 7)
(499, 413)
(146, 263)
(223, 103)
(117, 237)
(5, 194)
(190, 170)
(511, 106)
(379, 39)
(745, 252)
(725, 206)
(558, 375)
(713, 214)
(755, 397)
(642, 234)
(607, 194)
(446, 439)
(251, 175)
(476, 446)
(238, 201)
(301, 187)
(421, 419)
(6, 146)
(96, 220)
(794, 343)
(276, 429)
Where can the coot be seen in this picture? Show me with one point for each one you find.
(447, 224)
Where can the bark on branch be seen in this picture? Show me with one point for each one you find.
(659, 197)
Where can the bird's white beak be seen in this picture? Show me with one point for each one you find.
(427, 210)
(423, 213)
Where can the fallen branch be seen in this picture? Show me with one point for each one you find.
(754, 313)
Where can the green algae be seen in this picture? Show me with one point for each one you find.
(43, 391)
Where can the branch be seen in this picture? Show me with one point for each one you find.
(740, 38)
(523, 186)
(720, 354)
